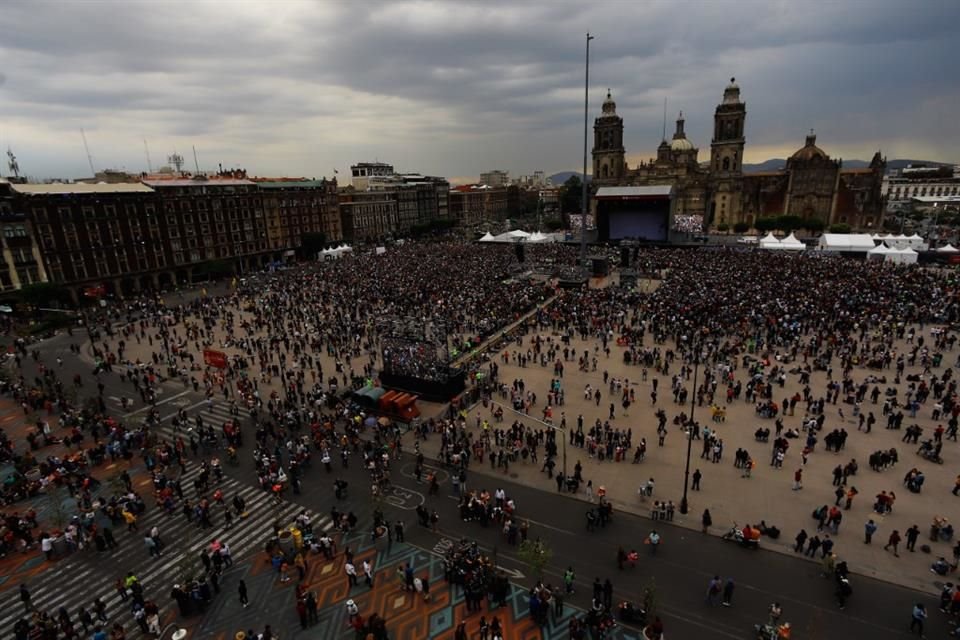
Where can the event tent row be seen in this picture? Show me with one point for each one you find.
(336, 252)
(790, 243)
(518, 235)
(897, 256)
(901, 241)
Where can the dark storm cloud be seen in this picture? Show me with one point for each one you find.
(456, 87)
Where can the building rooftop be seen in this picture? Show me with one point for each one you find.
(287, 184)
(198, 182)
(635, 192)
(81, 187)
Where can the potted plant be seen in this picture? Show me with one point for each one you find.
(654, 628)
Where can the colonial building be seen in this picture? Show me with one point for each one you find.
(22, 263)
(811, 185)
(294, 207)
(472, 203)
(368, 216)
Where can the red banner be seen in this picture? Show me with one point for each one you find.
(214, 358)
(97, 291)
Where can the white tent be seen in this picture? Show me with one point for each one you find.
(846, 242)
(540, 237)
(908, 256)
(487, 237)
(948, 249)
(518, 233)
(769, 241)
(790, 243)
(879, 252)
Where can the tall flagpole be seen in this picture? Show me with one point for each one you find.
(583, 205)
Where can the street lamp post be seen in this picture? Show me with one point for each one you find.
(684, 505)
(583, 201)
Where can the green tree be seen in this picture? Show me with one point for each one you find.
(536, 555)
(741, 227)
(840, 227)
(571, 195)
(765, 224)
(214, 268)
(723, 227)
(43, 294)
(814, 225)
(313, 243)
(788, 223)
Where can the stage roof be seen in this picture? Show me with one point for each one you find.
(652, 191)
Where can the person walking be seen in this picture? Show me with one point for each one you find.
(728, 587)
(868, 530)
(706, 520)
(801, 540)
(798, 479)
(713, 590)
(242, 592)
(25, 598)
(893, 541)
(568, 577)
(654, 541)
(351, 571)
(913, 533)
(696, 480)
(918, 618)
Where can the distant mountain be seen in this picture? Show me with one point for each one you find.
(559, 178)
(775, 164)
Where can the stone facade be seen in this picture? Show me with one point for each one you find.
(811, 185)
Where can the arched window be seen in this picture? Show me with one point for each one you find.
(604, 172)
(726, 164)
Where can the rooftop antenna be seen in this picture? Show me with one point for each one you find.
(195, 163)
(86, 147)
(12, 163)
(176, 160)
(147, 150)
(664, 119)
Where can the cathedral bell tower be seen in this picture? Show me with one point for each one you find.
(726, 158)
(609, 165)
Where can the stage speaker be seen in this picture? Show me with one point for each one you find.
(601, 267)
(624, 257)
(521, 254)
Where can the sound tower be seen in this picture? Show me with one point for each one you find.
(521, 257)
(624, 257)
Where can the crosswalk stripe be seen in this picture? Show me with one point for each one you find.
(69, 583)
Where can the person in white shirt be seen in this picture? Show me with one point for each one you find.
(351, 571)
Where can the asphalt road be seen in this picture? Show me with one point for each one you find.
(682, 568)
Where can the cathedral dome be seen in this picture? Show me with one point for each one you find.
(609, 106)
(681, 144)
(731, 95)
(810, 150)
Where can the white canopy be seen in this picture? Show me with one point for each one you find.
(846, 242)
(880, 250)
(518, 233)
(948, 249)
(769, 241)
(790, 243)
(540, 237)
(487, 237)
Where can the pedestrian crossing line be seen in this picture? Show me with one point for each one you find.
(48, 592)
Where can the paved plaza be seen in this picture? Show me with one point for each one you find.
(766, 494)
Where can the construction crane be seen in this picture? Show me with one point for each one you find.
(86, 147)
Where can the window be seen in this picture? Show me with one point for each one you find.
(203, 216)
(726, 164)
(88, 212)
(40, 214)
(110, 210)
(195, 256)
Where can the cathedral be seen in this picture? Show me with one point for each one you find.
(811, 185)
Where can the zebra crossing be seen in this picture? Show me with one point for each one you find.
(214, 414)
(86, 574)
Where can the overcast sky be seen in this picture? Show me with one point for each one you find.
(454, 88)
